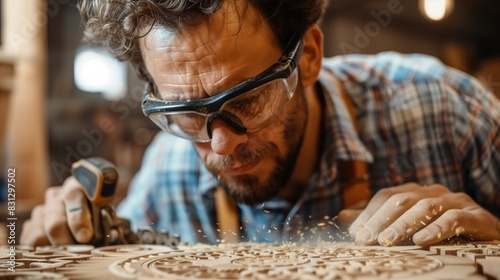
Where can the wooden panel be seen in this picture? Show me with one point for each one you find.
(6, 82)
(24, 37)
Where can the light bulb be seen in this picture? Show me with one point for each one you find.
(436, 10)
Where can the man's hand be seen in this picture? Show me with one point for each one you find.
(424, 215)
(64, 218)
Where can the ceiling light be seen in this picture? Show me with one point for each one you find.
(436, 10)
(97, 71)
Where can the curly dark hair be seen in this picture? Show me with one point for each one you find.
(116, 24)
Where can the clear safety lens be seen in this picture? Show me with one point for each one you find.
(255, 109)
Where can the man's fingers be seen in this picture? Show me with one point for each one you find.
(383, 209)
(434, 219)
(67, 216)
(33, 232)
(378, 200)
(392, 210)
(423, 213)
(79, 218)
(55, 226)
(443, 228)
(410, 201)
(63, 219)
(478, 225)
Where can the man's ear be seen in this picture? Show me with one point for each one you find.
(312, 56)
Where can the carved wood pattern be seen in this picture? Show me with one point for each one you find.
(255, 261)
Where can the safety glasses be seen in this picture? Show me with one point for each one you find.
(246, 107)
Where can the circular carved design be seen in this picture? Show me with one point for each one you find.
(264, 261)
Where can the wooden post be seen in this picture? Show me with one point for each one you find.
(24, 37)
(6, 82)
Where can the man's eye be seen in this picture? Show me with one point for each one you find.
(188, 121)
(249, 103)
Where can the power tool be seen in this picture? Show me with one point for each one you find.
(98, 178)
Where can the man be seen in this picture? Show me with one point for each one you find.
(249, 104)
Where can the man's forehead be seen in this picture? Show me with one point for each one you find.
(232, 28)
(232, 19)
(210, 56)
(173, 59)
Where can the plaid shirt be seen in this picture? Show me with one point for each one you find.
(419, 121)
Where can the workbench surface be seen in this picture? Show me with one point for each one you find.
(254, 261)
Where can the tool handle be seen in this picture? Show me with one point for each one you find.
(98, 178)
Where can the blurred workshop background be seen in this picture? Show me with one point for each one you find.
(62, 99)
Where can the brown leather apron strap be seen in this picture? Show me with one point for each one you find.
(227, 216)
(353, 175)
(355, 184)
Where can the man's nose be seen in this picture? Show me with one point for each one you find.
(225, 139)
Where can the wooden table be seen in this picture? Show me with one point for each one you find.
(256, 261)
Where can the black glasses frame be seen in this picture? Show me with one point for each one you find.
(283, 68)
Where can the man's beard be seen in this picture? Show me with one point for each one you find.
(250, 188)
